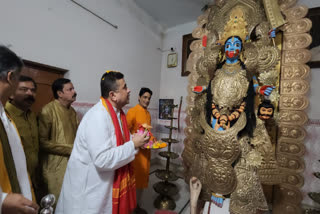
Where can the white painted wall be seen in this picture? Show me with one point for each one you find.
(61, 34)
(309, 3)
(172, 84)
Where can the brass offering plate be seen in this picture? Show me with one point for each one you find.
(167, 140)
(164, 203)
(171, 127)
(171, 155)
(166, 188)
(166, 175)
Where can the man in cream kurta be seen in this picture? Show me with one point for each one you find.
(57, 130)
(88, 181)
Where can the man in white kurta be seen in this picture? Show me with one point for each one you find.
(18, 155)
(88, 181)
(15, 195)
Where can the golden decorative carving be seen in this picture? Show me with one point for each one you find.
(292, 194)
(203, 64)
(297, 71)
(202, 19)
(251, 56)
(198, 32)
(288, 199)
(294, 179)
(268, 58)
(229, 86)
(235, 26)
(190, 100)
(220, 3)
(296, 56)
(208, 153)
(296, 87)
(290, 162)
(291, 131)
(291, 147)
(218, 18)
(292, 117)
(298, 26)
(293, 102)
(296, 41)
(248, 196)
(269, 78)
(196, 45)
(295, 13)
(273, 13)
(285, 4)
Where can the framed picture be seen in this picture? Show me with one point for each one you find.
(186, 42)
(172, 60)
(314, 16)
(165, 108)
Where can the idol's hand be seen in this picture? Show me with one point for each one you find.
(266, 90)
(195, 189)
(199, 89)
(272, 33)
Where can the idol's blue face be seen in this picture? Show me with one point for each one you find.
(233, 47)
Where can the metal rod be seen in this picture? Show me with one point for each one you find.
(152, 172)
(109, 23)
(184, 206)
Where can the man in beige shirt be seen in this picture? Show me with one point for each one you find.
(58, 125)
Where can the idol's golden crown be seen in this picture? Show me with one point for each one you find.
(236, 26)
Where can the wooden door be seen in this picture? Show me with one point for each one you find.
(44, 76)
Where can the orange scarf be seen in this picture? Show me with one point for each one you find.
(124, 184)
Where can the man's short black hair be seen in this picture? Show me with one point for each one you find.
(144, 90)
(109, 82)
(58, 85)
(24, 78)
(9, 61)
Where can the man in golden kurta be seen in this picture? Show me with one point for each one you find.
(57, 130)
(18, 108)
(136, 116)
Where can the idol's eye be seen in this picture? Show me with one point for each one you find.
(237, 45)
(228, 46)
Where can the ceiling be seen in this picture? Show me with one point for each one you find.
(170, 13)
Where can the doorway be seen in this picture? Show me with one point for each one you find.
(44, 76)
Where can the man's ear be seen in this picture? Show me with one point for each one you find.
(10, 77)
(112, 96)
(59, 93)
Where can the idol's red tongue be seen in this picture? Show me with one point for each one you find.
(230, 54)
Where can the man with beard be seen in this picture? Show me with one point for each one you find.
(58, 125)
(18, 107)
